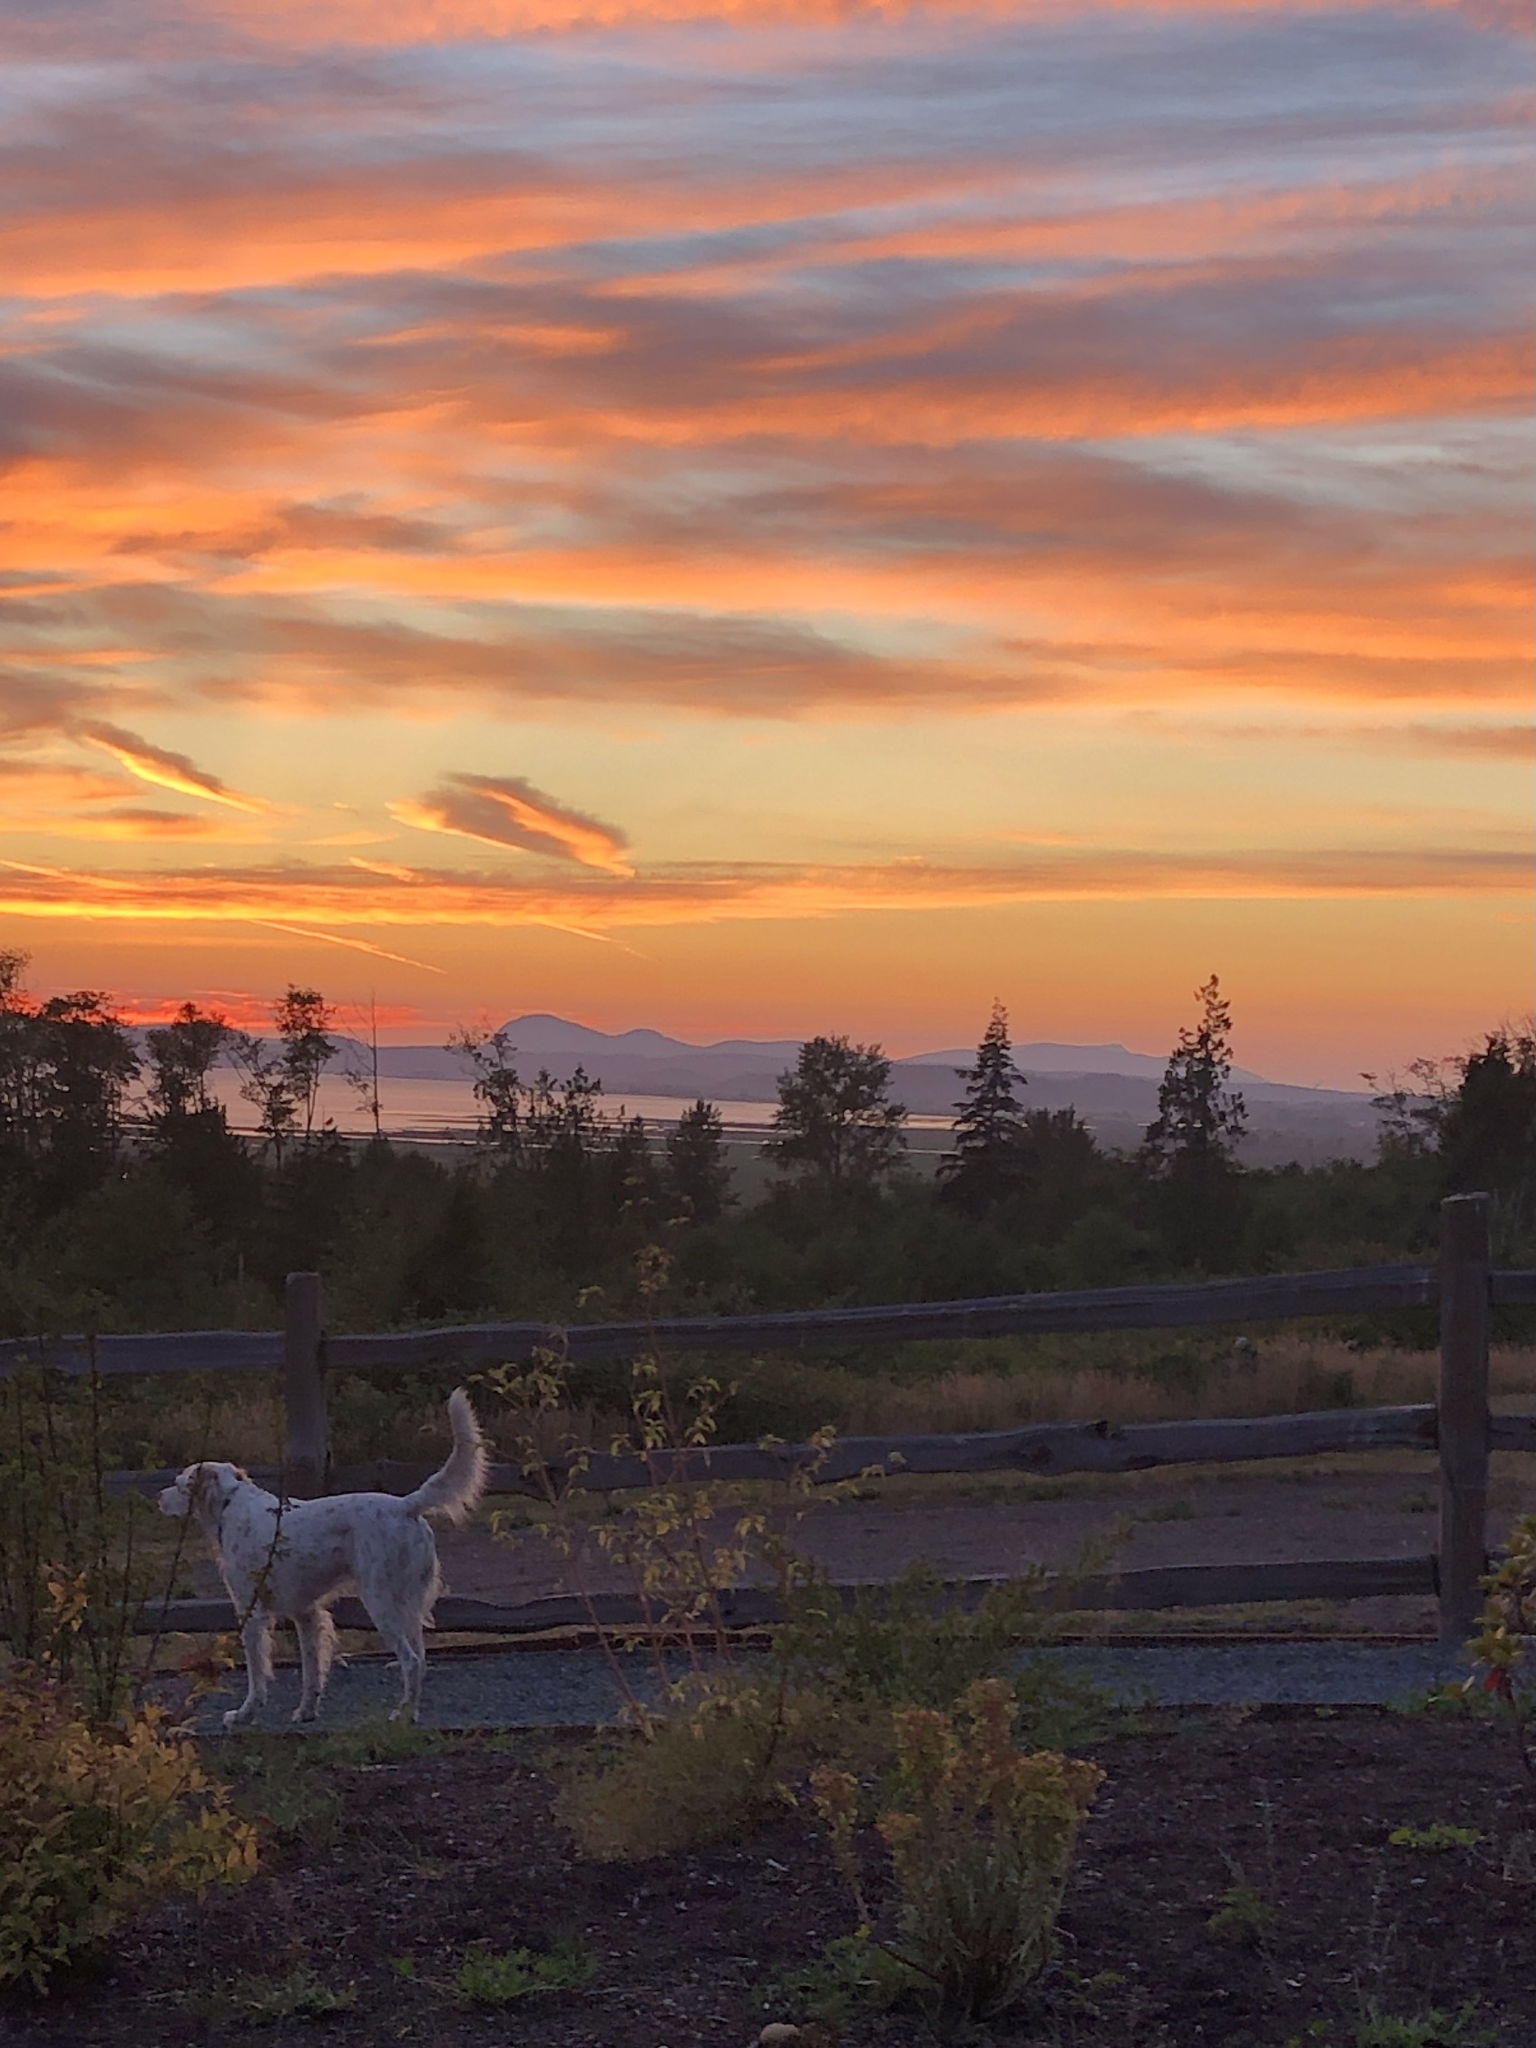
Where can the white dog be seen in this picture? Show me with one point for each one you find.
(290, 1560)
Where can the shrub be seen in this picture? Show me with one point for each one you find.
(98, 1822)
(708, 1770)
(911, 1644)
(74, 1566)
(980, 1836)
(1507, 1622)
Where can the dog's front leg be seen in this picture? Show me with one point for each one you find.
(317, 1650)
(256, 1635)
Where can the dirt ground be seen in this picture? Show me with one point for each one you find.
(369, 1901)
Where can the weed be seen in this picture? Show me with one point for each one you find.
(1377, 2028)
(1436, 1838)
(852, 1974)
(1243, 1914)
(910, 1644)
(275, 1781)
(486, 1978)
(286, 1781)
(1180, 1510)
(301, 1995)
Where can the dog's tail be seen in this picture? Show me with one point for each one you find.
(450, 1494)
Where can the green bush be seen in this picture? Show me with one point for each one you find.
(980, 1836)
(97, 1823)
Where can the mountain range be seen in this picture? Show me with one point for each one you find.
(1113, 1089)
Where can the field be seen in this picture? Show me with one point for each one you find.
(915, 1388)
(1236, 1886)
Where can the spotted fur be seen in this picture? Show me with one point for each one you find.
(291, 1560)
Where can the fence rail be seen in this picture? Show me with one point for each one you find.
(1182, 1585)
(1363, 1290)
(1458, 1426)
(1044, 1450)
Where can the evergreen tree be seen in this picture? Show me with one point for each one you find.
(1200, 1118)
(1190, 1147)
(698, 1176)
(987, 1164)
(835, 1121)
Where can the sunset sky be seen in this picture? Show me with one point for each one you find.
(760, 519)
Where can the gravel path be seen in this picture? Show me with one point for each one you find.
(576, 1689)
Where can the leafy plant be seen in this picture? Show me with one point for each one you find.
(980, 1837)
(1243, 1914)
(99, 1822)
(74, 1565)
(1498, 1649)
(1438, 2028)
(301, 1995)
(1436, 1838)
(852, 1974)
(487, 1978)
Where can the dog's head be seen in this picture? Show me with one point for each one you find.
(203, 1490)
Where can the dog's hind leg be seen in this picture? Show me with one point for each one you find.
(256, 1635)
(317, 1650)
(399, 1585)
(404, 1638)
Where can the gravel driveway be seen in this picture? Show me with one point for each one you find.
(577, 1689)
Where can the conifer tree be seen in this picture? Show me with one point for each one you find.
(1200, 1117)
(988, 1162)
(1190, 1147)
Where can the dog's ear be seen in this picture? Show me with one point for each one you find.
(202, 1484)
(241, 1474)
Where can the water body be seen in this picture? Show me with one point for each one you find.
(446, 1110)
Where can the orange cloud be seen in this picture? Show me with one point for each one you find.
(297, 898)
(129, 823)
(287, 226)
(298, 24)
(507, 811)
(164, 768)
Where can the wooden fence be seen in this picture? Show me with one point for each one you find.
(1458, 1425)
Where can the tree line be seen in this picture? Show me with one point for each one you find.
(127, 1200)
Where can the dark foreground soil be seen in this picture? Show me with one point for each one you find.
(419, 1857)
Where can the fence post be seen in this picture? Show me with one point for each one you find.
(307, 1447)
(1463, 1411)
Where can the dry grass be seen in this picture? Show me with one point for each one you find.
(171, 1423)
(1287, 1375)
